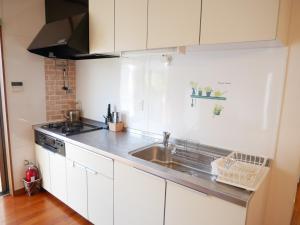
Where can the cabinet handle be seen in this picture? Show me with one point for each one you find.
(75, 164)
(91, 171)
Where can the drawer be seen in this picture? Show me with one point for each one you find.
(90, 160)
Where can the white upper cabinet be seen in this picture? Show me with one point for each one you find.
(173, 23)
(101, 26)
(130, 24)
(189, 207)
(233, 21)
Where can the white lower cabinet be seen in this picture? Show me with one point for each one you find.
(90, 185)
(100, 198)
(58, 176)
(43, 163)
(112, 193)
(52, 167)
(77, 187)
(190, 207)
(139, 197)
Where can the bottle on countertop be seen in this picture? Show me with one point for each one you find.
(108, 118)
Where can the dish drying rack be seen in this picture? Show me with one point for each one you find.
(241, 170)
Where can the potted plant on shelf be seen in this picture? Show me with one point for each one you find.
(208, 91)
(218, 109)
(199, 91)
(194, 87)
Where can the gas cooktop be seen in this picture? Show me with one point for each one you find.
(71, 128)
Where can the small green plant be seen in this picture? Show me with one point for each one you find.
(217, 110)
(194, 85)
(199, 91)
(208, 91)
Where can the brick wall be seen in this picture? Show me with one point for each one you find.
(57, 100)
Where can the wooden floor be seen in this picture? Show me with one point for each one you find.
(296, 215)
(40, 209)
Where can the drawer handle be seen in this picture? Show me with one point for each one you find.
(74, 164)
(91, 171)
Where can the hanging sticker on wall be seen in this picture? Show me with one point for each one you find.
(217, 110)
(205, 93)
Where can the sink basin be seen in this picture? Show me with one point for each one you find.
(192, 163)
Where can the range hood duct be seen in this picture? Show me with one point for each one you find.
(66, 38)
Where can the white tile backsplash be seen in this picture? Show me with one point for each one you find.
(155, 97)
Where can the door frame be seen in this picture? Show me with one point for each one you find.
(6, 171)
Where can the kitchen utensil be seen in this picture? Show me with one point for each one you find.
(73, 115)
(116, 117)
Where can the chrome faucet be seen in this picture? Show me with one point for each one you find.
(166, 138)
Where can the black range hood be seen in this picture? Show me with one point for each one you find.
(65, 38)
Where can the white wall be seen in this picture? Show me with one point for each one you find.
(21, 22)
(155, 97)
(285, 174)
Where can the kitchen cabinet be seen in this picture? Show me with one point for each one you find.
(173, 23)
(130, 25)
(90, 184)
(101, 26)
(100, 198)
(233, 21)
(77, 187)
(189, 207)
(58, 176)
(139, 197)
(43, 163)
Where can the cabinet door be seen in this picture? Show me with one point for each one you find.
(189, 207)
(238, 20)
(138, 197)
(100, 198)
(173, 23)
(76, 187)
(131, 24)
(58, 176)
(43, 163)
(101, 25)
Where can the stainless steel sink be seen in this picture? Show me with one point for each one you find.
(185, 161)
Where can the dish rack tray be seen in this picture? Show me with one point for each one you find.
(241, 170)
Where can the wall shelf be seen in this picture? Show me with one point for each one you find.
(208, 97)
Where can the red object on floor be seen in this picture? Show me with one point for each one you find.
(31, 173)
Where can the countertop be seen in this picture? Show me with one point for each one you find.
(117, 145)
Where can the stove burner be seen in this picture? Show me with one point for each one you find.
(70, 128)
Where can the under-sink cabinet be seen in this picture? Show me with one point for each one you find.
(139, 197)
(189, 207)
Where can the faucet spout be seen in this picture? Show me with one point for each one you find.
(166, 136)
